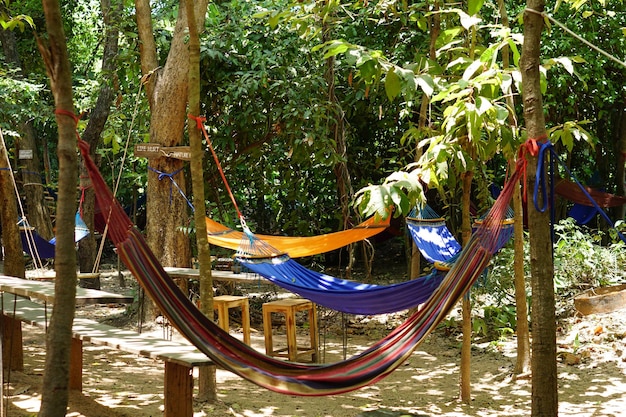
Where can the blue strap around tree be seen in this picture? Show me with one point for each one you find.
(170, 176)
(548, 149)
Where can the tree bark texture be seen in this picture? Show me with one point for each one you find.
(87, 247)
(543, 362)
(465, 391)
(33, 182)
(13, 252)
(58, 340)
(207, 381)
(168, 92)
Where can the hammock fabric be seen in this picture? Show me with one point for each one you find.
(571, 191)
(285, 377)
(297, 247)
(435, 241)
(35, 245)
(340, 294)
(432, 236)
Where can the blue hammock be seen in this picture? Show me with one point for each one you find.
(340, 294)
(37, 246)
(435, 241)
(431, 235)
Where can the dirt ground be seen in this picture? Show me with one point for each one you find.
(592, 373)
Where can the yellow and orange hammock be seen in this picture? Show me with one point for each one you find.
(295, 246)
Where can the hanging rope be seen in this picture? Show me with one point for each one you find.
(28, 232)
(548, 148)
(200, 125)
(144, 80)
(574, 35)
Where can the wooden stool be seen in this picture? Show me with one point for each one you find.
(223, 303)
(289, 307)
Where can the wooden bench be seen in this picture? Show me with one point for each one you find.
(180, 358)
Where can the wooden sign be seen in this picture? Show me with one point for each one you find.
(25, 154)
(177, 152)
(148, 150)
(154, 150)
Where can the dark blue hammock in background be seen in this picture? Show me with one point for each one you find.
(37, 246)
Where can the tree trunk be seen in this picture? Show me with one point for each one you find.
(337, 130)
(58, 341)
(543, 362)
(207, 383)
(166, 208)
(620, 212)
(32, 179)
(13, 259)
(435, 28)
(522, 363)
(466, 347)
(87, 248)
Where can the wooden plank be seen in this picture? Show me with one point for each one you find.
(226, 276)
(180, 358)
(155, 150)
(44, 291)
(177, 152)
(148, 150)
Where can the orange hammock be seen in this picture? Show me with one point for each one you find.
(294, 246)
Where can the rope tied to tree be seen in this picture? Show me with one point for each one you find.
(170, 175)
(200, 125)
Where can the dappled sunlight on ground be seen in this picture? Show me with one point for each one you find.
(119, 384)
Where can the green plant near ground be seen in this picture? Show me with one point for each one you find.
(581, 260)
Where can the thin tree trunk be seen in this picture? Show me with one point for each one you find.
(87, 248)
(13, 259)
(167, 90)
(207, 383)
(543, 317)
(522, 363)
(620, 212)
(32, 179)
(342, 174)
(435, 28)
(58, 341)
(466, 305)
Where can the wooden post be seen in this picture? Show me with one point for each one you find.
(76, 365)
(178, 389)
(12, 348)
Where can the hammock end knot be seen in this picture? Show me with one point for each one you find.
(199, 120)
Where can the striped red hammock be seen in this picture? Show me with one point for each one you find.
(363, 369)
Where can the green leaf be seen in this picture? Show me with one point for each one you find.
(426, 83)
(468, 21)
(483, 105)
(474, 6)
(393, 86)
(471, 70)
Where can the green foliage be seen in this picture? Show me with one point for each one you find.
(496, 321)
(581, 261)
(9, 22)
